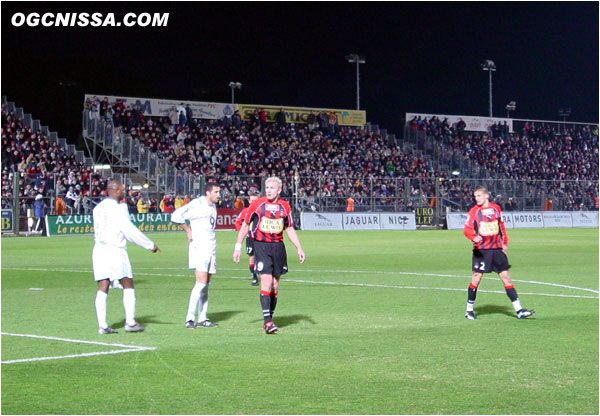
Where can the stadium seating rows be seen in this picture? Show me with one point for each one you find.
(330, 163)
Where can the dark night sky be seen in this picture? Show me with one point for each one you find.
(421, 57)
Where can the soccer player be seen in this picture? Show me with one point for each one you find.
(485, 228)
(202, 215)
(112, 229)
(252, 196)
(267, 218)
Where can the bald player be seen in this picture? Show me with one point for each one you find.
(112, 229)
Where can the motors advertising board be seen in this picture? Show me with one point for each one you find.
(528, 220)
(546, 219)
(147, 223)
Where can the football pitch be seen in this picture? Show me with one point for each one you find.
(371, 323)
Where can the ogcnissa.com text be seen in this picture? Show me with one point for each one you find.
(89, 19)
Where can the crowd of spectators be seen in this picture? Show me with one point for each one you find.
(321, 163)
(539, 154)
(45, 168)
(330, 161)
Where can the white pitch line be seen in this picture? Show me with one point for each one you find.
(128, 348)
(353, 284)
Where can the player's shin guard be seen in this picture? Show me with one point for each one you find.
(273, 303)
(265, 303)
(129, 306)
(511, 292)
(472, 294)
(101, 308)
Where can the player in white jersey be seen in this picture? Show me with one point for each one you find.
(201, 213)
(112, 229)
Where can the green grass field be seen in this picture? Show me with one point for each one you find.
(372, 323)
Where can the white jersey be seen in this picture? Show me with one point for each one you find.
(202, 218)
(112, 226)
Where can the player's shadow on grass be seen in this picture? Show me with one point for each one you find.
(144, 320)
(492, 309)
(222, 316)
(286, 320)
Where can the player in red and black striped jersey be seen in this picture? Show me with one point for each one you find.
(267, 218)
(252, 196)
(485, 228)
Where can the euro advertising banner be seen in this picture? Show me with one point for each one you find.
(300, 114)
(147, 223)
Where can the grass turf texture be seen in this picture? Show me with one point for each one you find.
(382, 349)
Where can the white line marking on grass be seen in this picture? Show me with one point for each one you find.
(367, 272)
(410, 274)
(127, 348)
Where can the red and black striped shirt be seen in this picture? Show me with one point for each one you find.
(487, 223)
(268, 219)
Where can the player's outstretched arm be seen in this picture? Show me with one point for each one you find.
(293, 236)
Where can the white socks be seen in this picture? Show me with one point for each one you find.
(129, 306)
(517, 305)
(101, 308)
(194, 299)
(203, 305)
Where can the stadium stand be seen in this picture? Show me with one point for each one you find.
(321, 163)
(47, 166)
(550, 165)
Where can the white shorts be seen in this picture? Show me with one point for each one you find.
(201, 259)
(110, 263)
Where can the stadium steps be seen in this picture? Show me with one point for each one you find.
(36, 125)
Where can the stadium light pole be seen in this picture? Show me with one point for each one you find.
(355, 59)
(489, 66)
(234, 86)
(511, 106)
(564, 113)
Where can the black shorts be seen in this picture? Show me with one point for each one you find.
(249, 246)
(270, 258)
(490, 260)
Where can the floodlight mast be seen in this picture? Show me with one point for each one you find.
(564, 113)
(490, 66)
(511, 106)
(355, 59)
(234, 86)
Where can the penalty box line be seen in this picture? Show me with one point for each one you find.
(125, 348)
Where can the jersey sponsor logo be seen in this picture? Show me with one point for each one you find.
(269, 225)
(273, 207)
(488, 228)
